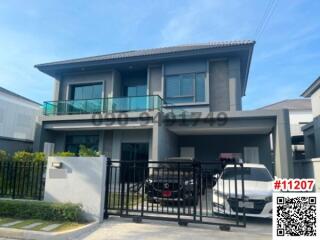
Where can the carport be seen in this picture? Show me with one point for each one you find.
(251, 133)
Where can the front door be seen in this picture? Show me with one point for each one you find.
(134, 162)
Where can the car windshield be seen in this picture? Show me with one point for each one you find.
(249, 174)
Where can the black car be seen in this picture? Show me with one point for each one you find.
(173, 182)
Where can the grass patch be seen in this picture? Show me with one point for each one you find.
(64, 227)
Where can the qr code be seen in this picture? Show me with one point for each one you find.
(296, 216)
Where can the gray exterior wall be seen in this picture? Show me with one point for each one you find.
(219, 86)
(155, 80)
(13, 145)
(106, 78)
(223, 83)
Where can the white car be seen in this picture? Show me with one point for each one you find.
(257, 187)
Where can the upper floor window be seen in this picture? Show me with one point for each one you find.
(185, 88)
(86, 91)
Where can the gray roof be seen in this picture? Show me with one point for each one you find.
(312, 88)
(291, 104)
(6, 91)
(153, 51)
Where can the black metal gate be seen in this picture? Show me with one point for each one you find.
(182, 191)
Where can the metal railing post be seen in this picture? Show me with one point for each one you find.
(106, 202)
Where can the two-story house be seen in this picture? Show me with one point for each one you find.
(18, 116)
(312, 130)
(163, 102)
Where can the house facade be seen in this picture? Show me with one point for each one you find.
(17, 121)
(300, 114)
(312, 130)
(166, 102)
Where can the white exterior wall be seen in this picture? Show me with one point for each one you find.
(17, 117)
(298, 118)
(315, 101)
(81, 180)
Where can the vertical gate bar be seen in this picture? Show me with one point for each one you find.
(28, 179)
(206, 193)
(179, 191)
(121, 185)
(116, 185)
(18, 176)
(41, 180)
(110, 187)
(168, 173)
(218, 193)
(128, 191)
(194, 192)
(243, 194)
(236, 192)
(22, 191)
(158, 170)
(14, 179)
(143, 182)
(200, 205)
(32, 177)
(2, 164)
(106, 201)
(184, 189)
(134, 177)
(229, 196)
(7, 179)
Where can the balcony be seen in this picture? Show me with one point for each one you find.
(103, 105)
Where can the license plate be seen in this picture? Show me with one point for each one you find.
(166, 193)
(246, 204)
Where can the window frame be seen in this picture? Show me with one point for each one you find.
(72, 84)
(79, 135)
(194, 102)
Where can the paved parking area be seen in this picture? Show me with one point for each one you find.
(116, 228)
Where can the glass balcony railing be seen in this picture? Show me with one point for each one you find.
(103, 105)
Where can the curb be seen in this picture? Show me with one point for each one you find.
(37, 235)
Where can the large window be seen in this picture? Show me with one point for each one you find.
(185, 88)
(73, 142)
(133, 91)
(86, 91)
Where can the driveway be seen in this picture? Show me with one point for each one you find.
(116, 228)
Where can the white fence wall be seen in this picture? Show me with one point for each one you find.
(80, 180)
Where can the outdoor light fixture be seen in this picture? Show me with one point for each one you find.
(57, 164)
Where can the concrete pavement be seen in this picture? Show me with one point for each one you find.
(116, 228)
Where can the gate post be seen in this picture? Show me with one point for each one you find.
(106, 202)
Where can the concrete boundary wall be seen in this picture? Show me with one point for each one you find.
(80, 180)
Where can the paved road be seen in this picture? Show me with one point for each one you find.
(120, 228)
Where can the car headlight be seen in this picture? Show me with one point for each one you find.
(268, 199)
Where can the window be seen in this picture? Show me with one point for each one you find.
(185, 88)
(73, 142)
(86, 91)
(133, 91)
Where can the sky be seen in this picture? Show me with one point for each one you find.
(286, 58)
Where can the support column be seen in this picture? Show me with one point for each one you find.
(234, 84)
(282, 144)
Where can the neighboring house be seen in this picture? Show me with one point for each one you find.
(300, 113)
(140, 92)
(312, 130)
(17, 121)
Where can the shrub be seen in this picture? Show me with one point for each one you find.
(64, 154)
(39, 157)
(4, 156)
(87, 152)
(23, 156)
(23, 209)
